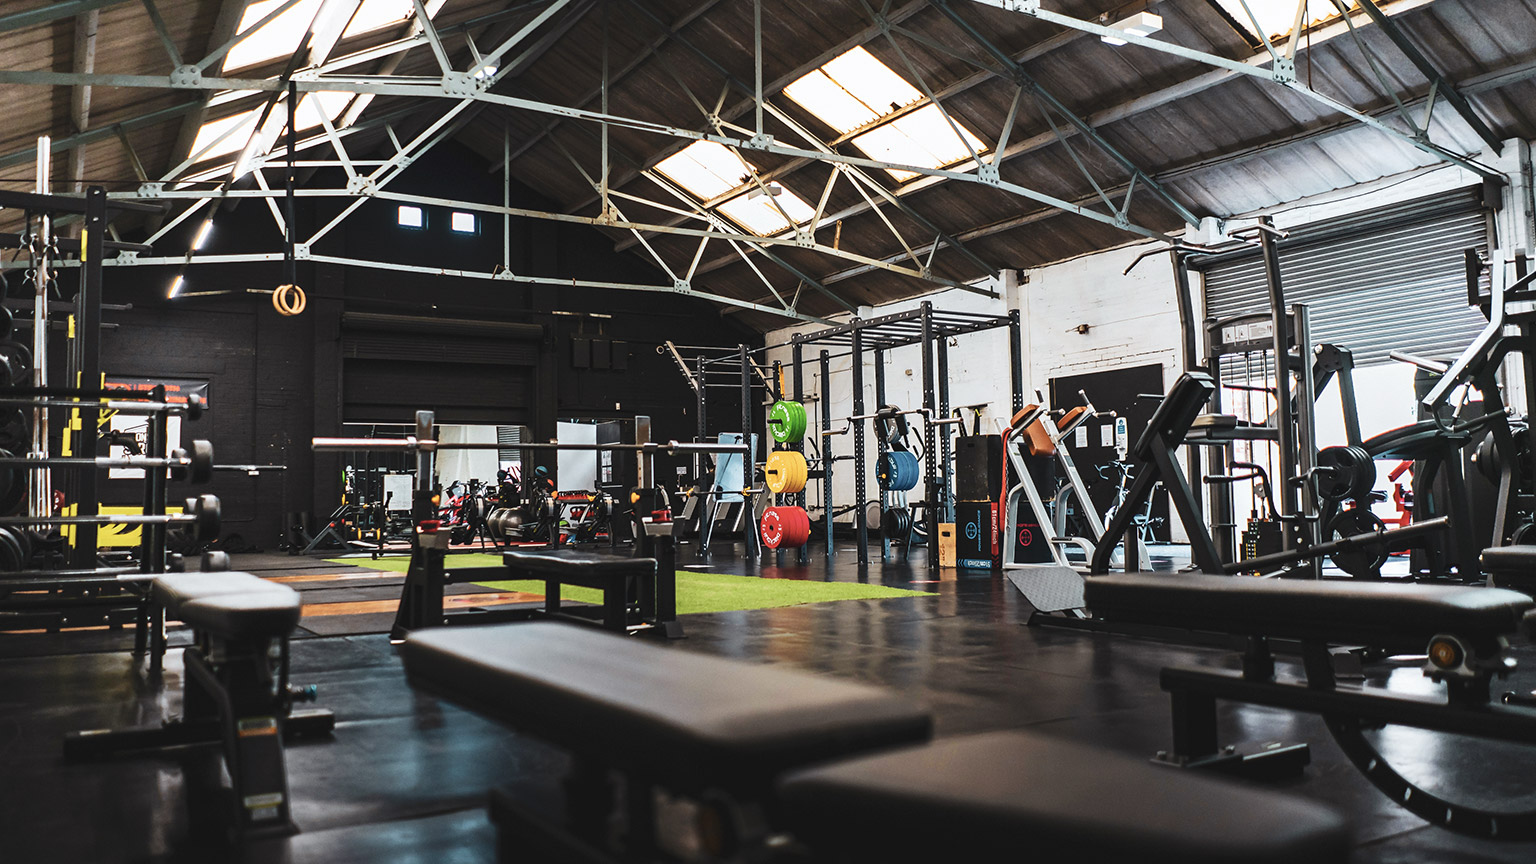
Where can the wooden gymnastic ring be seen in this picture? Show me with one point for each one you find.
(289, 300)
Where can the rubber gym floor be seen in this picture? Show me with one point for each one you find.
(405, 776)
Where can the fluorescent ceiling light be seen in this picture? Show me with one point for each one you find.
(706, 169)
(852, 90)
(1140, 24)
(1275, 17)
(758, 213)
(175, 287)
(202, 233)
(923, 138)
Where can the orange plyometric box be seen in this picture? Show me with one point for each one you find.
(946, 544)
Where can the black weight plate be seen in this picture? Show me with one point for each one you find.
(13, 487)
(6, 323)
(19, 357)
(1362, 562)
(15, 432)
(12, 556)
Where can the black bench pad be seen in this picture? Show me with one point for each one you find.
(1511, 565)
(229, 604)
(687, 719)
(1018, 796)
(1369, 613)
(576, 567)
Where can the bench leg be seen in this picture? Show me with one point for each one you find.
(616, 606)
(1194, 726)
(551, 597)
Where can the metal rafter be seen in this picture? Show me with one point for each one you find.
(1281, 70)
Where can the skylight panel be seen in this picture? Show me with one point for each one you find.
(223, 136)
(923, 138)
(1275, 17)
(374, 15)
(706, 169)
(756, 213)
(280, 37)
(851, 90)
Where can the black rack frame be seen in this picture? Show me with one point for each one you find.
(932, 330)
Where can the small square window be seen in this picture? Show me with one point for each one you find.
(411, 217)
(464, 223)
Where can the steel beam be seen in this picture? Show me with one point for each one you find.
(47, 12)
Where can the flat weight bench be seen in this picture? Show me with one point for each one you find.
(236, 691)
(630, 586)
(1463, 630)
(726, 738)
(1511, 567)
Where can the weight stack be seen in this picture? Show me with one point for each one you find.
(976, 540)
(978, 468)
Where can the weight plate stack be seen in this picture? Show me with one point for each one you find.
(1344, 472)
(898, 471)
(786, 421)
(785, 527)
(1363, 562)
(786, 472)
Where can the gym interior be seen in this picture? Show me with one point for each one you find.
(767, 430)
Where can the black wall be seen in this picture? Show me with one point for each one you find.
(275, 382)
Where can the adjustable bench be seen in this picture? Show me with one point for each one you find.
(717, 737)
(1463, 630)
(235, 691)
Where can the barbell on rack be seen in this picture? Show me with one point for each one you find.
(414, 444)
(192, 408)
(195, 465)
(202, 514)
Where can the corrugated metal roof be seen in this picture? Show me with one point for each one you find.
(1222, 145)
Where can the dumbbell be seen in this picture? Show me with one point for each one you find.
(195, 465)
(202, 513)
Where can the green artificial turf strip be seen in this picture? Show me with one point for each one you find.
(696, 592)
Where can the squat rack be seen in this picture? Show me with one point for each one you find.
(932, 330)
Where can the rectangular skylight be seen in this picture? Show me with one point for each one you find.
(851, 90)
(923, 138)
(280, 37)
(1275, 17)
(212, 135)
(374, 15)
(756, 213)
(706, 169)
(410, 217)
(855, 89)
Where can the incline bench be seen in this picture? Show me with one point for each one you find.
(236, 691)
(1464, 631)
(752, 751)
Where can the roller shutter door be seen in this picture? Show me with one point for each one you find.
(1391, 279)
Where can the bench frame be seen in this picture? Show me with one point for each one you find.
(422, 598)
(235, 695)
(1467, 709)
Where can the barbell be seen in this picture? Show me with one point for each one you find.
(193, 407)
(195, 465)
(202, 514)
(414, 444)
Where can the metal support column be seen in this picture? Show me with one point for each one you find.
(798, 354)
(1286, 490)
(701, 406)
(1187, 325)
(1016, 359)
(1306, 433)
(40, 497)
(880, 449)
(930, 456)
(749, 459)
(85, 355)
(826, 446)
(946, 454)
(859, 479)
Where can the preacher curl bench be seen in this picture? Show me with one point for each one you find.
(236, 692)
(778, 765)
